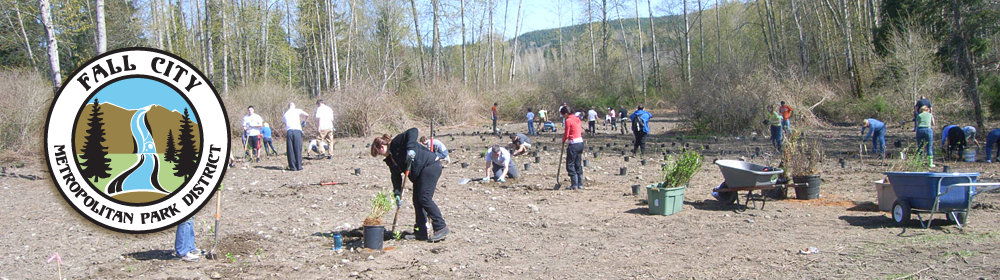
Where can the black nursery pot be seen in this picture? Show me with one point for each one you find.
(811, 190)
(374, 236)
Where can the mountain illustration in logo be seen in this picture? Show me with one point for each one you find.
(137, 148)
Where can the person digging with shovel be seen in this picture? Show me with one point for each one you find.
(404, 154)
(573, 135)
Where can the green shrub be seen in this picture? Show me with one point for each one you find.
(989, 88)
(678, 172)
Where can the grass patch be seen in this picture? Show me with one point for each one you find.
(119, 163)
(166, 176)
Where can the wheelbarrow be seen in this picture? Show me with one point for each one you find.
(749, 177)
(933, 193)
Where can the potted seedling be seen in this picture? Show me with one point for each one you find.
(801, 160)
(374, 231)
(667, 197)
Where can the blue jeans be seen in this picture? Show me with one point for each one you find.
(786, 125)
(878, 141)
(993, 141)
(925, 137)
(776, 137)
(531, 128)
(184, 239)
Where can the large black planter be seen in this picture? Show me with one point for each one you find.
(811, 190)
(374, 236)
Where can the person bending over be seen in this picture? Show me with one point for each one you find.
(403, 155)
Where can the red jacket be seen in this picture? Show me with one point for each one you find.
(573, 128)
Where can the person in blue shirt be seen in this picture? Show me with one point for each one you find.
(268, 142)
(640, 127)
(955, 138)
(531, 122)
(993, 142)
(876, 130)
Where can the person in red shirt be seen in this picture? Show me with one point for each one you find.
(493, 116)
(786, 113)
(574, 151)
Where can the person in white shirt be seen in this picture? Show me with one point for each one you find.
(324, 118)
(252, 123)
(592, 121)
(501, 165)
(293, 136)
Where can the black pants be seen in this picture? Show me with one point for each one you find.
(574, 164)
(956, 141)
(269, 143)
(640, 142)
(293, 149)
(254, 142)
(592, 127)
(423, 199)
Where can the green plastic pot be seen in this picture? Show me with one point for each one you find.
(664, 201)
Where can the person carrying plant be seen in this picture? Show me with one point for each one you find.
(493, 116)
(592, 121)
(774, 120)
(993, 142)
(925, 136)
(519, 144)
(268, 142)
(876, 130)
(500, 165)
(786, 114)
(531, 122)
(574, 151)
(324, 125)
(438, 148)
(404, 155)
(640, 127)
(252, 123)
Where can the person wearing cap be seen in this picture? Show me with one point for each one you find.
(876, 130)
(500, 164)
(519, 144)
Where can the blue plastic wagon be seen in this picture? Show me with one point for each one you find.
(932, 192)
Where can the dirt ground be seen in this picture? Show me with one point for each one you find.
(276, 226)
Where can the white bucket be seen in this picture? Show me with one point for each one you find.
(970, 155)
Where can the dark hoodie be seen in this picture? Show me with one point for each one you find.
(397, 157)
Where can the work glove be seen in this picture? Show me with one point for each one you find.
(399, 201)
(501, 180)
(410, 156)
(486, 179)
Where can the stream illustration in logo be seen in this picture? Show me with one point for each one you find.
(137, 140)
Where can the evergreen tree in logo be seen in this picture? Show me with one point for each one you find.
(171, 154)
(95, 153)
(187, 156)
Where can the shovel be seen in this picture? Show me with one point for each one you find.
(328, 184)
(558, 170)
(464, 181)
(218, 210)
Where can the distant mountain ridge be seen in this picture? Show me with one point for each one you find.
(118, 132)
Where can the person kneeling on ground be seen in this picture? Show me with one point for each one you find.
(877, 133)
(437, 147)
(315, 148)
(519, 144)
(404, 154)
(184, 242)
(501, 165)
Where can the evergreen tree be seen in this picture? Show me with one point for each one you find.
(171, 154)
(96, 163)
(187, 156)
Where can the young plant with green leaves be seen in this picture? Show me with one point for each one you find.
(382, 203)
(678, 172)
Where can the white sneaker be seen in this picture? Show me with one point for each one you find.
(192, 256)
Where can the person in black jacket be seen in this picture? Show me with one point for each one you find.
(403, 154)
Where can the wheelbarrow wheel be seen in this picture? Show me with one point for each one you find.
(962, 217)
(901, 212)
(726, 198)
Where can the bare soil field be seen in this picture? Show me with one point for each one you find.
(277, 226)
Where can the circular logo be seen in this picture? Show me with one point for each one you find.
(136, 140)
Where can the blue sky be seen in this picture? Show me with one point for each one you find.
(136, 93)
(545, 14)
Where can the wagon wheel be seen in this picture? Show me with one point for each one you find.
(726, 197)
(901, 212)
